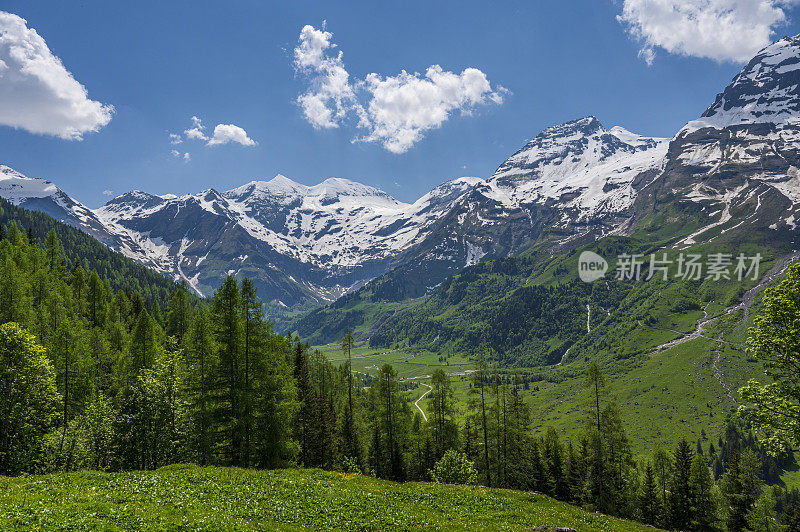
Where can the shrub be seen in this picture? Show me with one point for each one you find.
(454, 468)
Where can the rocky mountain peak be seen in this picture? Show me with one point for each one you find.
(767, 90)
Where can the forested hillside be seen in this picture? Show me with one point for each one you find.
(95, 377)
(77, 247)
(532, 308)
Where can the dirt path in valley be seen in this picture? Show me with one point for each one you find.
(421, 397)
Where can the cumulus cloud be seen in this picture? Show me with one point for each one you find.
(187, 157)
(722, 30)
(108, 192)
(223, 134)
(37, 93)
(395, 111)
(403, 107)
(196, 132)
(331, 94)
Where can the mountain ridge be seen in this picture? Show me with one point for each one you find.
(571, 184)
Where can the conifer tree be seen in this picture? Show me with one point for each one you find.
(479, 378)
(741, 487)
(227, 335)
(201, 364)
(680, 493)
(442, 408)
(305, 415)
(650, 499)
(252, 332)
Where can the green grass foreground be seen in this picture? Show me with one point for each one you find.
(193, 498)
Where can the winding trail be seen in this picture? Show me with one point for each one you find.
(421, 397)
(705, 322)
(749, 296)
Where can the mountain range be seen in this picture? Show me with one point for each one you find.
(733, 168)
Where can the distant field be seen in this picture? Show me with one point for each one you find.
(670, 394)
(223, 499)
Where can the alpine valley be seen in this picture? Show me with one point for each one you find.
(342, 255)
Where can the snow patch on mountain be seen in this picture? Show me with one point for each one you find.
(581, 166)
(766, 91)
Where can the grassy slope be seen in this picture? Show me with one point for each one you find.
(194, 498)
(664, 396)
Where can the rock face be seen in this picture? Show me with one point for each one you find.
(573, 183)
(737, 165)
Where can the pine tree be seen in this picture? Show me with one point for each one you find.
(96, 300)
(305, 415)
(143, 344)
(650, 499)
(599, 494)
(553, 454)
(704, 507)
(55, 254)
(662, 467)
(442, 409)
(388, 408)
(276, 404)
(680, 495)
(762, 516)
(179, 313)
(227, 335)
(741, 488)
(252, 331)
(349, 435)
(201, 363)
(576, 477)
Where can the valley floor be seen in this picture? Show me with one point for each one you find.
(186, 497)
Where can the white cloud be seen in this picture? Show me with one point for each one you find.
(177, 155)
(174, 138)
(403, 107)
(394, 110)
(722, 30)
(37, 93)
(108, 192)
(196, 131)
(225, 133)
(331, 95)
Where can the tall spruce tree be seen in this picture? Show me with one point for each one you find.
(228, 337)
(680, 509)
(650, 499)
(704, 507)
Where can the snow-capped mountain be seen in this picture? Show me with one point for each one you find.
(572, 183)
(42, 195)
(323, 239)
(587, 170)
(737, 165)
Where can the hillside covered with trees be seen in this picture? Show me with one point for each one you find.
(97, 377)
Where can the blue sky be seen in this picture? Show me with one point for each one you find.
(160, 63)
